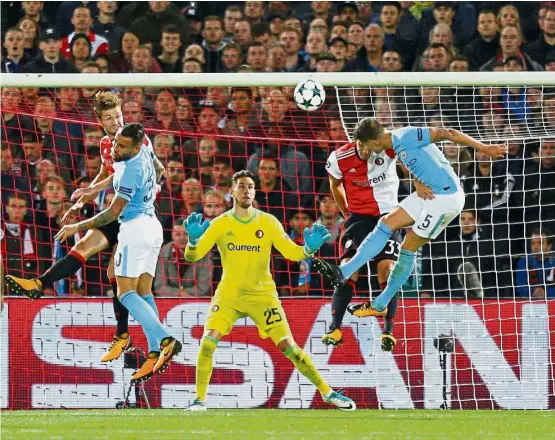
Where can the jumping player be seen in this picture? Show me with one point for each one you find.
(245, 237)
(364, 186)
(416, 148)
(107, 107)
(139, 242)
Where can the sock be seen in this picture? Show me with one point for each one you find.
(153, 343)
(120, 312)
(304, 364)
(204, 365)
(400, 273)
(143, 313)
(63, 268)
(342, 296)
(368, 249)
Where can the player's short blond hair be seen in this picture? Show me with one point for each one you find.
(105, 101)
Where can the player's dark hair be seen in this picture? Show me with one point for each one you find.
(240, 174)
(369, 129)
(134, 131)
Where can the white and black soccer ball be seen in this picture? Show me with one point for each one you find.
(309, 95)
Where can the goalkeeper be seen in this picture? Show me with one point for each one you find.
(245, 236)
(416, 149)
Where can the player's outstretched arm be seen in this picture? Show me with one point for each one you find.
(93, 189)
(109, 215)
(314, 238)
(196, 229)
(497, 151)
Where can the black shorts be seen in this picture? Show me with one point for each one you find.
(111, 231)
(355, 230)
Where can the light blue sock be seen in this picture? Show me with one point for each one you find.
(153, 343)
(368, 249)
(143, 313)
(400, 273)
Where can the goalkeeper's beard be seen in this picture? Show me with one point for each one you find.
(243, 204)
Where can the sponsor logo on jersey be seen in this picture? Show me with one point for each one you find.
(123, 189)
(370, 182)
(243, 247)
(352, 170)
(379, 161)
(259, 233)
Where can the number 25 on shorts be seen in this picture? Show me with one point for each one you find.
(272, 316)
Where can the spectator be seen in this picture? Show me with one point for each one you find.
(261, 34)
(148, 27)
(330, 217)
(535, 272)
(539, 186)
(340, 30)
(348, 11)
(459, 158)
(243, 116)
(320, 10)
(459, 64)
(514, 98)
(121, 60)
(276, 25)
(508, 16)
(277, 58)
(207, 148)
(436, 58)
(177, 277)
(192, 65)
(539, 49)
(319, 25)
(273, 194)
(79, 51)
(213, 204)
(33, 154)
(164, 117)
(393, 38)
(31, 34)
(369, 57)
(355, 34)
(550, 62)
(222, 172)
(16, 58)
(441, 33)
(231, 57)
(163, 147)
(106, 26)
(34, 11)
(315, 44)
(65, 13)
(11, 177)
(195, 51)
(253, 11)
(485, 46)
(243, 34)
(231, 16)
(132, 112)
(326, 62)
(68, 99)
(191, 197)
(142, 61)
(510, 45)
(14, 125)
(169, 198)
(18, 238)
(213, 43)
(82, 23)
(171, 44)
(291, 41)
(338, 47)
(257, 57)
(49, 61)
(293, 23)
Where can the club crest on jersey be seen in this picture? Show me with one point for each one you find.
(403, 155)
(379, 161)
(215, 308)
(259, 233)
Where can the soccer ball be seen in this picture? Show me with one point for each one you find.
(309, 95)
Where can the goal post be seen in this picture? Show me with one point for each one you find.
(476, 319)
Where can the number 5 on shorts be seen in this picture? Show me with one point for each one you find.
(426, 223)
(272, 316)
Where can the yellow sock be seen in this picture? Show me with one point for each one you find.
(204, 365)
(304, 364)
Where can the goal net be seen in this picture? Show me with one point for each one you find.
(476, 319)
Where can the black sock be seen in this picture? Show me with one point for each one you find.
(120, 312)
(342, 296)
(64, 268)
(391, 312)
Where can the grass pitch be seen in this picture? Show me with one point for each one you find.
(267, 424)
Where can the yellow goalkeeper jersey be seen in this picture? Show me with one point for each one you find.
(245, 246)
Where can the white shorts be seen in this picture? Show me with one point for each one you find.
(139, 243)
(432, 216)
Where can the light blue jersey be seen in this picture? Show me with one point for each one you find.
(135, 181)
(424, 160)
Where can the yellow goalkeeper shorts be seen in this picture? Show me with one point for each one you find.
(266, 312)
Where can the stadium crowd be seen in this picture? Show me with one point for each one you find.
(501, 247)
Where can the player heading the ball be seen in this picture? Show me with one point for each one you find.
(245, 236)
(415, 147)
